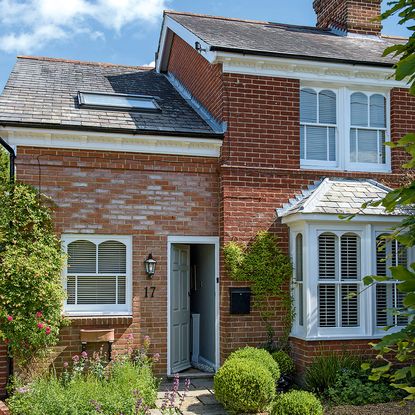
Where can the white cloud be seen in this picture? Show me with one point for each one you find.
(152, 64)
(43, 21)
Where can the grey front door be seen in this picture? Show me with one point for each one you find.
(180, 307)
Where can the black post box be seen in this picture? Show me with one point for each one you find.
(240, 300)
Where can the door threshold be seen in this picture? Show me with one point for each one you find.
(187, 374)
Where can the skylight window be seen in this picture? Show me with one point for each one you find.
(118, 102)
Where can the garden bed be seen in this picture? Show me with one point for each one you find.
(390, 408)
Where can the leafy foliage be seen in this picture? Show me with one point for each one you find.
(285, 362)
(352, 387)
(323, 371)
(400, 346)
(244, 386)
(125, 386)
(268, 269)
(31, 293)
(260, 356)
(297, 403)
(4, 166)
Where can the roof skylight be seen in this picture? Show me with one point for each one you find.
(98, 100)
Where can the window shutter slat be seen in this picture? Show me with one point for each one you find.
(380, 256)
(121, 290)
(308, 105)
(327, 107)
(349, 308)
(350, 264)
(359, 110)
(327, 305)
(81, 257)
(327, 256)
(70, 289)
(381, 305)
(378, 111)
(112, 257)
(316, 143)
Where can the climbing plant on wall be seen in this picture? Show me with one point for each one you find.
(268, 269)
(31, 293)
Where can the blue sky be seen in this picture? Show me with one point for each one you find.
(121, 31)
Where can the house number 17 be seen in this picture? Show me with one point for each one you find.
(149, 292)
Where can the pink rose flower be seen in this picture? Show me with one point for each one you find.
(75, 358)
(9, 318)
(65, 365)
(40, 325)
(48, 330)
(84, 354)
(156, 357)
(39, 314)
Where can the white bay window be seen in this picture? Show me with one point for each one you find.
(97, 275)
(342, 129)
(330, 261)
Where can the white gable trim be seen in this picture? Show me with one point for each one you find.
(325, 218)
(171, 26)
(135, 143)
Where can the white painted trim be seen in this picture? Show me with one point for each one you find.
(170, 25)
(324, 218)
(342, 74)
(108, 309)
(194, 240)
(136, 143)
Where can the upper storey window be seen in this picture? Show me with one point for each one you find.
(342, 129)
(120, 102)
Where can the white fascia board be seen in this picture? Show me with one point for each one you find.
(190, 38)
(134, 143)
(326, 218)
(308, 70)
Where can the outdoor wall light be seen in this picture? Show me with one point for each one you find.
(150, 265)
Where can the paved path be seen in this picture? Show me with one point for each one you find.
(199, 400)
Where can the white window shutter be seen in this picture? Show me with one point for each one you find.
(97, 290)
(327, 256)
(327, 107)
(350, 257)
(382, 305)
(112, 257)
(82, 257)
(359, 109)
(71, 289)
(308, 105)
(299, 257)
(327, 305)
(349, 305)
(377, 111)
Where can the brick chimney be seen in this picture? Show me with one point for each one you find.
(351, 16)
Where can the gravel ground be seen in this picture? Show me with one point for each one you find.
(391, 408)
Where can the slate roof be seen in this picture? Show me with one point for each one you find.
(339, 197)
(43, 92)
(268, 38)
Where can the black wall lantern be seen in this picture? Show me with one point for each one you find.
(150, 265)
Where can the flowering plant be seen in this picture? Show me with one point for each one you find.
(31, 293)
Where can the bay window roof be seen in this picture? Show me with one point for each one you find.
(340, 196)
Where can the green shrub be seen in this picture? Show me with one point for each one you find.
(285, 362)
(243, 385)
(260, 356)
(297, 403)
(322, 372)
(85, 394)
(354, 388)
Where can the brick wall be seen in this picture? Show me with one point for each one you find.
(355, 16)
(201, 78)
(146, 196)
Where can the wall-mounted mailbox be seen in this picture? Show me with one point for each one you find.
(240, 300)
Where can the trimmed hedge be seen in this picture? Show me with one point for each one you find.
(260, 356)
(243, 385)
(285, 362)
(297, 403)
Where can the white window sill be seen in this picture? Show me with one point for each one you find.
(337, 337)
(365, 168)
(97, 315)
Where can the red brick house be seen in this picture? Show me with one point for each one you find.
(243, 126)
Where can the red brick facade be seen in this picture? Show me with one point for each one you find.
(354, 16)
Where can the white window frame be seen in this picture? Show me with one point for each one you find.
(343, 163)
(104, 309)
(311, 228)
(328, 164)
